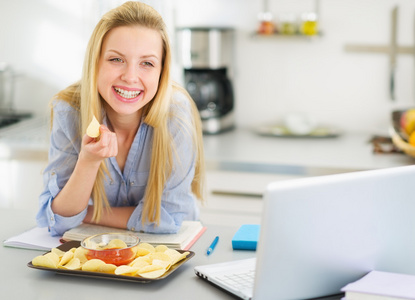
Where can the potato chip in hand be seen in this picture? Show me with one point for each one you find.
(93, 128)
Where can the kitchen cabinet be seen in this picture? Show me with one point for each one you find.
(236, 194)
(21, 183)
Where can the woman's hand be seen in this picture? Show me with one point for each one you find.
(74, 196)
(97, 149)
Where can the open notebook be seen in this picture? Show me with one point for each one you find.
(320, 233)
(40, 239)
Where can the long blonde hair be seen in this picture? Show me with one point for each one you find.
(84, 96)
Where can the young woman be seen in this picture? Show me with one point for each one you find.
(145, 170)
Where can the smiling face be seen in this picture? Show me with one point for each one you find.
(129, 68)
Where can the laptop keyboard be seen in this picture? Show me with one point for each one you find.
(243, 280)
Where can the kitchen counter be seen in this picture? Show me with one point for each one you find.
(244, 150)
(240, 150)
(27, 283)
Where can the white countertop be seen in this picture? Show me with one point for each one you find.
(240, 150)
(245, 150)
(27, 283)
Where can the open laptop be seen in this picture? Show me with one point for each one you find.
(320, 233)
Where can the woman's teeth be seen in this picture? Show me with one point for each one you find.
(127, 94)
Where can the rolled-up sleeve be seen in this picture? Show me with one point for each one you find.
(63, 154)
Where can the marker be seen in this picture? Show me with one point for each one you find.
(212, 246)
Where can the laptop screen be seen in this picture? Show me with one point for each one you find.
(320, 233)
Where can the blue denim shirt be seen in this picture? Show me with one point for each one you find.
(124, 188)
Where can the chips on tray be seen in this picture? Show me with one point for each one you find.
(150, 262)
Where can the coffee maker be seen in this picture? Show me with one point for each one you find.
(206, 57)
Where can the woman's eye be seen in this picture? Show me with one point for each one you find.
(148, 64)
(116, 59)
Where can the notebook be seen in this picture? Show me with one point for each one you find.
(320, 233)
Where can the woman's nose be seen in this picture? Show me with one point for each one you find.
(130, 74)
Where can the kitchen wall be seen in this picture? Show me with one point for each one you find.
(44, 41)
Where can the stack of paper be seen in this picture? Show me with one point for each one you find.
(381, 285)
(35, 238)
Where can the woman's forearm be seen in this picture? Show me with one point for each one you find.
(74, 197)
(114, 217)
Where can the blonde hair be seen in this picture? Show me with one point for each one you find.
(84, 96)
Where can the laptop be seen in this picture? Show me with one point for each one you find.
(320, 233)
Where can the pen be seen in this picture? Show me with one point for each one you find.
(212, 246)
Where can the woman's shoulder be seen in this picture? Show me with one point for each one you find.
(181, 102)
(62, 106)
(65, 115)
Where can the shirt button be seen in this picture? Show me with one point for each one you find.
(133, 228)
(51, 218)
(132, 183)
(53, 173)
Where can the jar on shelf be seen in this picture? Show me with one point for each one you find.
(309, 23)
(287, 24)
(266, 24)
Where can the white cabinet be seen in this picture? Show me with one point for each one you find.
(21, 183)
(235, 198)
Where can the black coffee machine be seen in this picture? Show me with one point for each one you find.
(206, 55)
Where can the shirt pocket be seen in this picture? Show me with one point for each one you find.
(138, 184)
(139, 179)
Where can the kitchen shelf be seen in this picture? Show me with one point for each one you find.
(277, 36)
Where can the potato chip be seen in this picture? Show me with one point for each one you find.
(73, 264)
(107, 268)
(145, 258)
(175, 255)
(181, 257)
(135, 248)
(125, 270)
(152, 274)
(93, 128)
(80, 254)
(147, 246)
(116, 244)
(142, 252)
(139, 263)
(58, 252)
(53, 257)
(149, 268)
(160, 256)
(92, 265)
(66, 258)
(44, 261)
(161, 248)
(162, 263)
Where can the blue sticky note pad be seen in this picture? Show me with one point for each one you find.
(246, 238)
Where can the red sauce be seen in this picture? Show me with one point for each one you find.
(117, 257)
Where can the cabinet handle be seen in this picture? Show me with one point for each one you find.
(237, 194)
